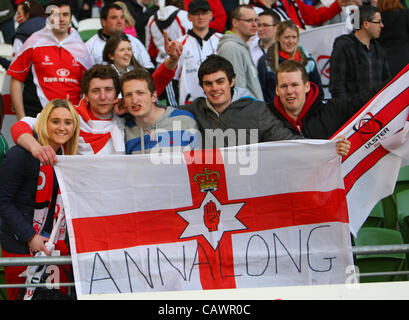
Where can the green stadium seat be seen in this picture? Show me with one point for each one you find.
(402, 202)
(88, 27)
(390, 219)
(87, 34)
(382, 262)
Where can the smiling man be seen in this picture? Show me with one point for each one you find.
(50, 64)
(300, 106)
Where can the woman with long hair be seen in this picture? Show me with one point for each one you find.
(29, 192)
(394, 37)
(285, 47)
(118, 53)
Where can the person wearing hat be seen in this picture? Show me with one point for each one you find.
(199, 42)
(220, 15)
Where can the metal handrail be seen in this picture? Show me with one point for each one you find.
(62, 260)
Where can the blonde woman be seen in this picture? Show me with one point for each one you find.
(129, 20)
(29, 198)
(285, 47)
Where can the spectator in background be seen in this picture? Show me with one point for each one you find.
(129, 20)
(141, 11)
(301, 13)
(198, 43)
(50, 64)
(7, 20)
(25, 11)
(113, 22)
(118, 53)
(171, 18)
(234, 47)
(395, 34)
(219, 19)
(285, 48)
(266, 30)
(4, 147)
(358, 62)
(31, 18)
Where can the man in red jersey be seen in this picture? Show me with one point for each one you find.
(50, 64)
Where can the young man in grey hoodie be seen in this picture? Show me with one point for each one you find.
(233, 46)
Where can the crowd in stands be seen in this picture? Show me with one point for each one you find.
(203, 64)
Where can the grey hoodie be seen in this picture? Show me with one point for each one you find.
(234, 49)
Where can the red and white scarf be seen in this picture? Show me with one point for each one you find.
(43, 195)
(100, 136)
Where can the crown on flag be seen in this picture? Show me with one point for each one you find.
(207, 180)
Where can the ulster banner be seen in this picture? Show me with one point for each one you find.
(372, 166)
(192, 221)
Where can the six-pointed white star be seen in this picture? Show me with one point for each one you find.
(196, 224)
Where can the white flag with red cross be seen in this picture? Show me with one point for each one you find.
(271, 214)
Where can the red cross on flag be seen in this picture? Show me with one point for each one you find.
(271, 214)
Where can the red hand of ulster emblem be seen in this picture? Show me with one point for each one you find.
(211, 216)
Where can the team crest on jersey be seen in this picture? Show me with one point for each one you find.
(47, 61)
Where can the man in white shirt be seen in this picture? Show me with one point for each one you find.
(113, 22)
(198, 43)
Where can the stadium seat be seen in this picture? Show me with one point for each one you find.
(390, 202)
(402, 203)
(88, 27)
(382, 262)
(390, 219)
(376, 217)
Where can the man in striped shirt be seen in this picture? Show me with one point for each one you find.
(151, 128)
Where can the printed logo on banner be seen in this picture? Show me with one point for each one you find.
(323, 66)
(367, 126)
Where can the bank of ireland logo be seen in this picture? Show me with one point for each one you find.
(63, 72)
(213, 218)
(368, 126)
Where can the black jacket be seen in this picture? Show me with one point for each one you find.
(354, 68)
(320, 119)
(18, 185)
(395, 39)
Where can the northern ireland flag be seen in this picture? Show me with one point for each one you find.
(271, 214)
(379, 147)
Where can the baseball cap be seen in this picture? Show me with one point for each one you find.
(196, 5)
